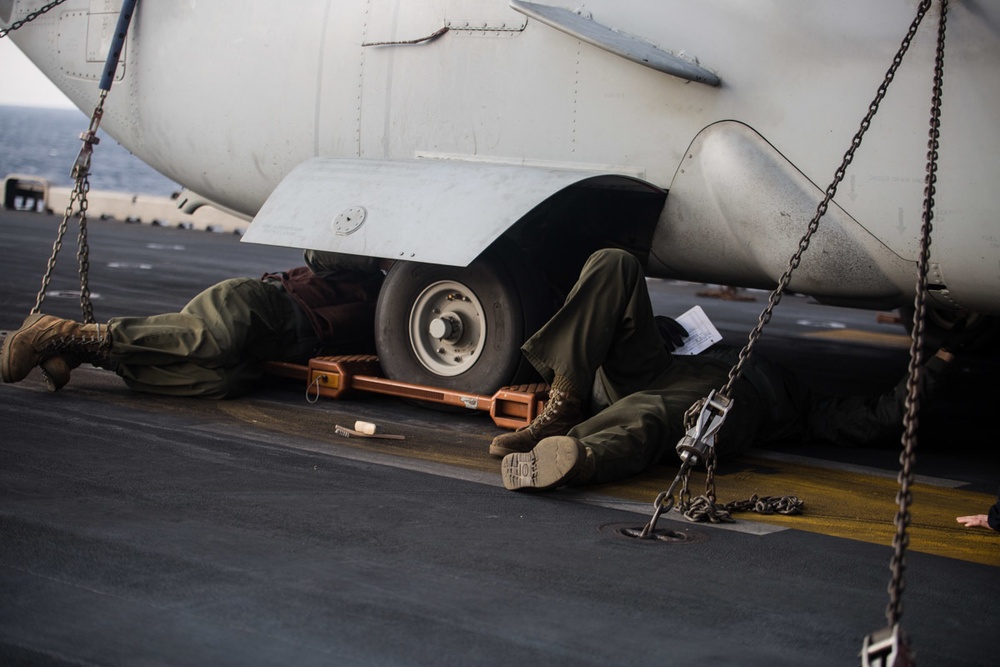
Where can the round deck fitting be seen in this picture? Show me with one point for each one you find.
(631, 531)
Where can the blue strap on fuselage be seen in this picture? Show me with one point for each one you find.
(117, 44)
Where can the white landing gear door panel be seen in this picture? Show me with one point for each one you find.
(421, 210)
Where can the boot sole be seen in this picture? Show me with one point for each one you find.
(55, 373)
(549, 464)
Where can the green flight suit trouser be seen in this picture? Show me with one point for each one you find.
(605, 343)
(214, 347)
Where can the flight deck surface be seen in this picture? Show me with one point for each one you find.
(143, 530)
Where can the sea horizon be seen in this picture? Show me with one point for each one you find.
(44, 142)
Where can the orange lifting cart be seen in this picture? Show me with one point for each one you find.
(337, 376)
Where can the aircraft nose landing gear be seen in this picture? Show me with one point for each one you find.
(458, 327)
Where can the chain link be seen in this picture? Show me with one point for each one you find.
(56, 247)
(30, 17)
(684, 496)
(894, 610)
(81, 188)
(80, 191)
(83, 258)
(767, 505)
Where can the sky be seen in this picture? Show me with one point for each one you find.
(22, 84)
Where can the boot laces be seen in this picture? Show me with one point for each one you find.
(102, 340)
(552, 407)
(552, 410)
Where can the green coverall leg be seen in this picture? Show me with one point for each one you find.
(214, 347)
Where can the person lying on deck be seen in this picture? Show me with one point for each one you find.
(619, 396)
(216, 346)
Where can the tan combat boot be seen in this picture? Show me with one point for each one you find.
(562, 412)
(57, 343)
(555, 461)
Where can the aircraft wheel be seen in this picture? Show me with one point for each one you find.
(452, 327)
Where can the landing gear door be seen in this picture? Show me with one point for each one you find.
(430, 211)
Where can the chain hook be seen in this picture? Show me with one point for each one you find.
(697, 445)
(886, 648)
(81, 167)
(702, 435)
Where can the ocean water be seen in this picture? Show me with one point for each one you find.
(45, 143)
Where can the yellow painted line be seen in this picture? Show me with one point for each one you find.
(845, 503)
(858, 336)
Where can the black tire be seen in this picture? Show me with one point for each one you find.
(486, 318)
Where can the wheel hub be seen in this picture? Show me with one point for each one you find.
(447, 328)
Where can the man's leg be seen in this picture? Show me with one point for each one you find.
(857, 421)
(633, 433)
(619, 442)
(775, 406)
(624, 439)
(213, 347)
(606, 323)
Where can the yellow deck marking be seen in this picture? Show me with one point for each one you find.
(855, 335)
(846, 504)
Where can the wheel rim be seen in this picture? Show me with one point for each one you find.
(447, 328)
